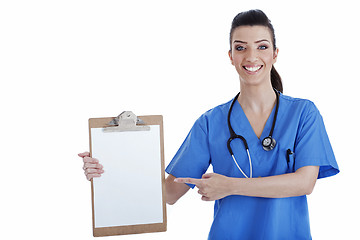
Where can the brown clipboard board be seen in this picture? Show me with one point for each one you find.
(136, 228)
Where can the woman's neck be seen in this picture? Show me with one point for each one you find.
(257, 99)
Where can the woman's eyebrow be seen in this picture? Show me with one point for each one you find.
(262, 40)
(238, 41)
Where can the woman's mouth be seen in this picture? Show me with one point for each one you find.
(252, 69)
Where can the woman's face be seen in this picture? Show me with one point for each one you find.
(252, 54)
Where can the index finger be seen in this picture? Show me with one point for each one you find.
(84, 154)
(194, 181)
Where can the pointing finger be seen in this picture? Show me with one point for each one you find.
(189, 181)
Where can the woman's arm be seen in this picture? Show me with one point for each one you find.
(299, 183)
(173, 190)
(215, 186)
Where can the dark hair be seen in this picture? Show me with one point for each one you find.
(258, 18)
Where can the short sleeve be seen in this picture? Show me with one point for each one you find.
(193, 157)
(312, 146)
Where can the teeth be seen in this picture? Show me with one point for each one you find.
(253, 69)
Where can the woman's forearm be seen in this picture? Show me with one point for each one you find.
(299, 183)
(174, 191)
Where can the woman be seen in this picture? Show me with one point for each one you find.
(259, 184)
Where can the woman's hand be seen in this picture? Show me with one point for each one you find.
(92, 167)
(211, 186)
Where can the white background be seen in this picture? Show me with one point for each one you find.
(62, 62)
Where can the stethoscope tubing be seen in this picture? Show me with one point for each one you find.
(250, 164)
(233, 135)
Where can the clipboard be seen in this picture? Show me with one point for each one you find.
(129, 197)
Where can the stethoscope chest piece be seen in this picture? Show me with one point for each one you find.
(268, 143)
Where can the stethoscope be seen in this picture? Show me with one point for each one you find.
(268, 143)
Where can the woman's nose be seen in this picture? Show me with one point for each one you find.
(251, 55)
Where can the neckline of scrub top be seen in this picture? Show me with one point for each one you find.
(245, 129)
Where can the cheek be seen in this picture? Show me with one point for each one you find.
(237, 61)
(269, 59)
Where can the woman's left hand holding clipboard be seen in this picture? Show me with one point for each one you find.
(92, 167)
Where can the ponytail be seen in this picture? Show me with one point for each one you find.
(276, 80)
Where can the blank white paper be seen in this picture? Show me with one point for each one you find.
(130, 190)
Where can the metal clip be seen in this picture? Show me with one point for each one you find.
(126, 121)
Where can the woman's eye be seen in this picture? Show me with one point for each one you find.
(239, 48)
(263, 47)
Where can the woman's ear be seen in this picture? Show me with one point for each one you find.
(276, 52)
(230, 56)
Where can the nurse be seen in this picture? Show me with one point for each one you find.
(272, 204)
(259, 192)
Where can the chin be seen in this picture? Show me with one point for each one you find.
(254, 81)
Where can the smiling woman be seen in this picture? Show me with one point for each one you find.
(252, 55)
(260, 193)
(250, 19)
(262, 196)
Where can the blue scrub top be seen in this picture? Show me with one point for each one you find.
(299, 127)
